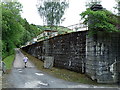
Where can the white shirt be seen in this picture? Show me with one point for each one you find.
(25, 59)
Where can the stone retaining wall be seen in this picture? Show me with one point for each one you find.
(67, 50)
(97, 56)
(103, 57)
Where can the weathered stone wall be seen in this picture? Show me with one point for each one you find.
(67, 50)
(103, 57)
(97, 56)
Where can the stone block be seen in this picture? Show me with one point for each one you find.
(48, 62)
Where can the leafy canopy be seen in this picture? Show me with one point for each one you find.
(52, 12)
(12, 30)
(15, 30)
(101, 20)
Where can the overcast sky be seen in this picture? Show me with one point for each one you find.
(72, 14)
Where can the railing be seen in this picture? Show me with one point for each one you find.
(78, 27)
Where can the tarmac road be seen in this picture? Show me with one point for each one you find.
(30, 77)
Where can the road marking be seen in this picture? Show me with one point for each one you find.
(34, 84)
(39, 74)
(20, 70)
(44, 84)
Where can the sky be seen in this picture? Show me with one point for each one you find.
(71, 15)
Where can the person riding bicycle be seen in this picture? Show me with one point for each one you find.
(25, 59)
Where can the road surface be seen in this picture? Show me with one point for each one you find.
(30, 77)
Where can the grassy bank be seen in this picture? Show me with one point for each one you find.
(61, 73)
(9, 61)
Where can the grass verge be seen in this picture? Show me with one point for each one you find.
(61, 73)
(9, 61)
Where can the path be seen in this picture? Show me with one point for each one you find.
(30, 77)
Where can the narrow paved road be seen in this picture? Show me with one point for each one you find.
(30, 77)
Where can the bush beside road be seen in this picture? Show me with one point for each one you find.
(9, 61)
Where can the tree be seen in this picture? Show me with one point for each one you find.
(30, 32)
(16, 31)
(118, 6)
(52, 12)
(0, 21)
(12, 30)
(101, 20)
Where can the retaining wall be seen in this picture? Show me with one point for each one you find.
(103, 57)
(68, 50)
(97, 56)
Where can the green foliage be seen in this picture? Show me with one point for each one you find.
(52, 12)
(12, 30)
(9, 61)
(101, 20)
(30, 32)
(60, 29)
(15, 30)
